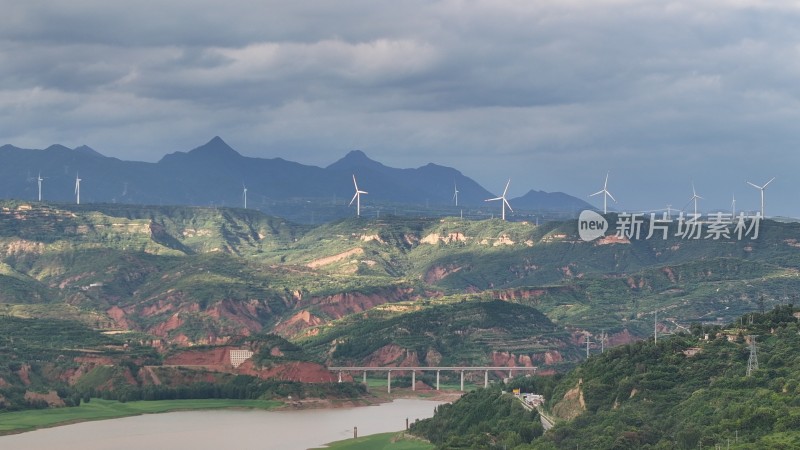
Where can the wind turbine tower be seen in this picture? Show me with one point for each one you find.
(694, 199)
(244, 195)
(77, 189)
(761, 188)
(357, 197)
(606, 194)
(504, 202)
(39, 180)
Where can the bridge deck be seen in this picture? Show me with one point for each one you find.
(427, 368)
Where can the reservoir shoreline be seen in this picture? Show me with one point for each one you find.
(49, 418)
(251, 428)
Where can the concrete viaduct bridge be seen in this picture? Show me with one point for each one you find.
(415, 369)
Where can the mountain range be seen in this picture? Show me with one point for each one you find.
(215, 174)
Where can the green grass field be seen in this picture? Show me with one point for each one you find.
(387, 441)
(97, 409)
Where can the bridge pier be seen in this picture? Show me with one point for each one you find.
(414, 369)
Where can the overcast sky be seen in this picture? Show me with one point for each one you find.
(549, 93)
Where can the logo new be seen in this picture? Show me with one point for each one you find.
(591, 225)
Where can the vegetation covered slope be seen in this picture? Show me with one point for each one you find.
(442, 333)
(685, 391)
(375, 288)
(688, 390)
(485, 418)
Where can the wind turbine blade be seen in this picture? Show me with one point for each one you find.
(605, 185)
(612, 197)
(354, 182)
(596, 193)
(508, 204)
(768, 182)
(755, 185)
(354, 199)
(493, 199)
(506, 189)
(363, 192)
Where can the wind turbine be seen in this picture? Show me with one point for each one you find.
(606, 194)
(761, 188)
(77, 188)
(357, 198)
(694, 199)
(504, 201)
(244, 195)
(39, 180)
(455, 193)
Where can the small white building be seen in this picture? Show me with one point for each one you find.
(533, 399)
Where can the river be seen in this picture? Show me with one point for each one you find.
(213, 430)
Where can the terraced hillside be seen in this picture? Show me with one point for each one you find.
(186, 276)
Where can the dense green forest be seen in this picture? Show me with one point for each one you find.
(484, 418)
(693, 390)
(241, 387)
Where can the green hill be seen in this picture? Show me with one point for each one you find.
(394, 290)
(443, 333)
(686, 391)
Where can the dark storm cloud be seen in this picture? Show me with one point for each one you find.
(552, 94)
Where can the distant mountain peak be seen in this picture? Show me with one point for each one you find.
(356, 154)
(355, 159)
(216, 147)
(57, 148)
(534, 199)
(86, 150)
(216, 140)
(216, 150)
(83, 149)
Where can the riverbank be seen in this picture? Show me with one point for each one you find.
(383, 441)
(98, 409)
(242, 428)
